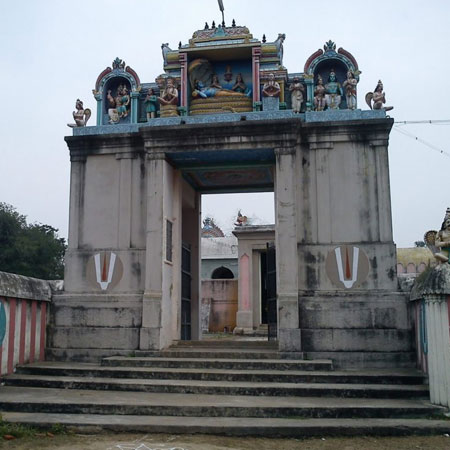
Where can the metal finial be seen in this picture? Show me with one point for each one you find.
(223, 23)
(179, 44)
(206, 26)
(233, 24)
(213, 25)
(264, 39)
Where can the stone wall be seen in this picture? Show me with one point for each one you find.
(23, 319)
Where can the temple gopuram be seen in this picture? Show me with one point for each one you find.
(227, 116)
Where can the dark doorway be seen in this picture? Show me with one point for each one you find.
(222, 273)
(186, 280)
(271, 277)
(264, 305)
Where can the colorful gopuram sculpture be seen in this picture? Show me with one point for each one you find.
(439, 241)
(80, 116)
(226, 70)
(378, 98)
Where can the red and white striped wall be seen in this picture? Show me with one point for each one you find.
(25, 334)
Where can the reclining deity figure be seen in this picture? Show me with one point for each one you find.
(319, 95)
(297, 90)
(80, 116)
(118, 106)
(349, 86)
(333, 92)
(169, 95)
(378, 98)
(271, 88)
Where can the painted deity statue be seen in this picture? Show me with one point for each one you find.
(150, 102)
(319, 95)
(297, 90)
(80, 116)
(349, 86)
(378, 98)
(442, 241)
(216, 90)
(333, 92)
(271, 88)
(169, 95)
(240, 87)
(439, 241)
(118, 106)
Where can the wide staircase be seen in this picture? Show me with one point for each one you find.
(220, 387)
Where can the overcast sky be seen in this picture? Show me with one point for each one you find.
(53, 50)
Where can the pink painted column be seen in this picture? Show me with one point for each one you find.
(23, 327)
(256, 55)
(33, 330)
(43, 331)
(184, 79)
(244, 281)
(11, 335)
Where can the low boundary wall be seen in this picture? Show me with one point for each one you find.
(24, 308)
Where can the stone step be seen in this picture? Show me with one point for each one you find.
(235, 343)
(74, 401)
(221, 388)
(402, 376)
(221, 363)
(218, 353)
(296, 428)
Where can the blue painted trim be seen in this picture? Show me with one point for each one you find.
(343, 115)
(423, 328)
(2, 323)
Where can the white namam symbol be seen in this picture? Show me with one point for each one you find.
(103, 273)
(350, 276)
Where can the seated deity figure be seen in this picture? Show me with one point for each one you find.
(271, 88)
(319, 95)
(333, 92)
(150, 103)
(297, 90)
(118, 106)
(240, 87)
(169, 95)
(80, 116)
(215, 82)
(349, 86)
(378, 98)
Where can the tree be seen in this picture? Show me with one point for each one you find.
(420, 244)
(33, 250)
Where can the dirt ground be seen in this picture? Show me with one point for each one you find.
(201, 442)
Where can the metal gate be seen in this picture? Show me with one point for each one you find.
(271, 276)
(186, 280)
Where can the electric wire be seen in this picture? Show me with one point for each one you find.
(422, 141)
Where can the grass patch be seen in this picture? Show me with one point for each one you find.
(16, 430)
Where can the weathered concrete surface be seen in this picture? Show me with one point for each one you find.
(18, 286)
(331, 183)
(434, 281)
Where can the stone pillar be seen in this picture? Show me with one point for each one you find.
(286, 250)
(244, 316)
(125, 200)
(150, 334)
(191, 235)
(184, 79)
(134, 106)
(437, 325)
(309, 81)
(77, 173)
(256, 56)
(98, 96)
